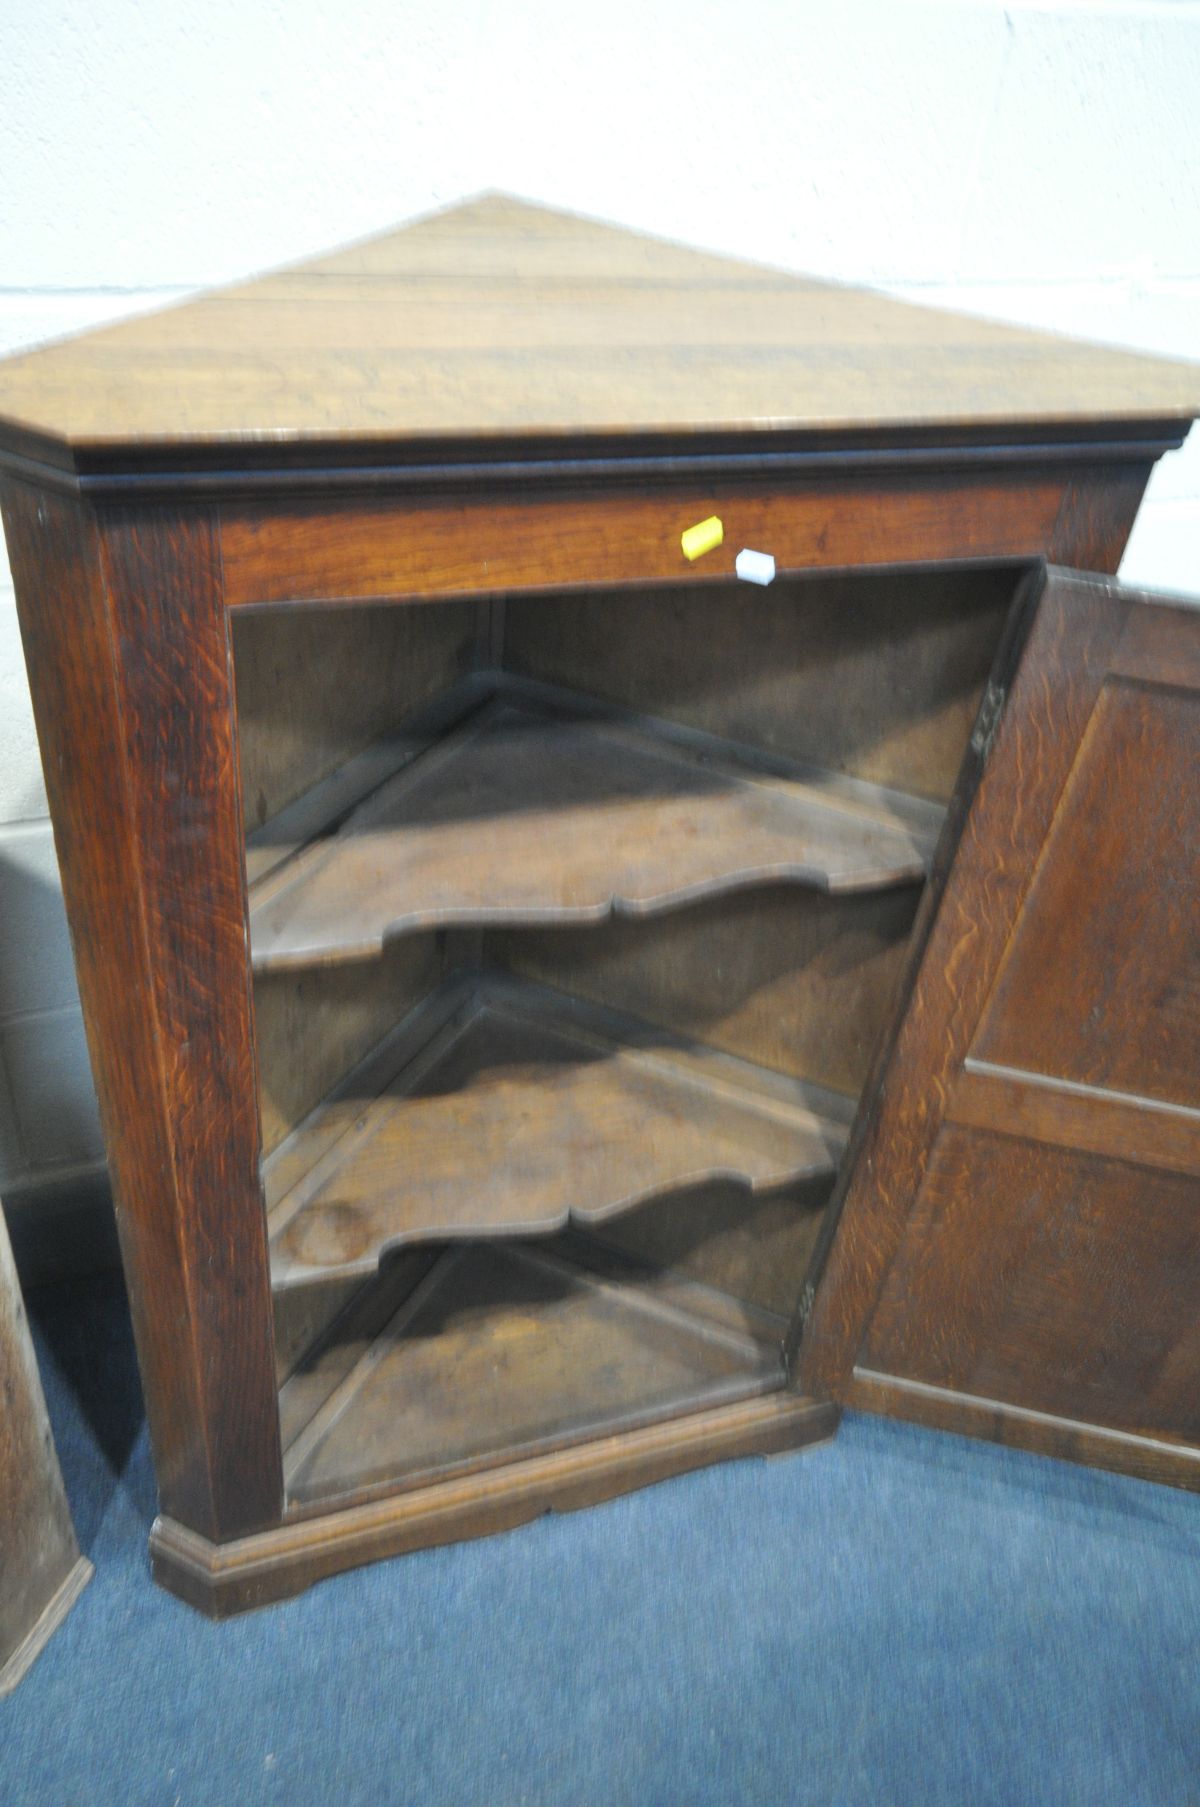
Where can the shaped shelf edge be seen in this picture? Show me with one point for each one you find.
(519, 1116)
(523, 816)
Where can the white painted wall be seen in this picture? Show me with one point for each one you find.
(1037, 162)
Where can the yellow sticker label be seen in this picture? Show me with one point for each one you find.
(702, 537)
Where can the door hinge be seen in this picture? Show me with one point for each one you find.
(988, 720)
(808, 1299)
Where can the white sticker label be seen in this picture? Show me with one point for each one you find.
(755, 567)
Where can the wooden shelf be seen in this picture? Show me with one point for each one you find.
(501, 1352)
(525, 815)
(503, 1109)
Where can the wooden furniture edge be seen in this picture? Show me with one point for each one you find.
(1124, 1452)
(221, 1579)
(39, 1634)
(151, 472)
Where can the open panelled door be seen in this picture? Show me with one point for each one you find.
(1016, 1253)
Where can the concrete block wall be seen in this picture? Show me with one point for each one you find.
(1036, 162)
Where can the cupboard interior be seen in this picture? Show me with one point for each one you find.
(575, 921)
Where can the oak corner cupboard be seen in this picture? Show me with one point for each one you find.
(562, 1014)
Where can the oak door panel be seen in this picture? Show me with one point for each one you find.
(1018, 1248)
(1101, 981)
(1057, 1281)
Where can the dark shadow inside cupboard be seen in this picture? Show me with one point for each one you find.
(576, 921)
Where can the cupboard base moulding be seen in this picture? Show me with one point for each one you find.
(228, 1578)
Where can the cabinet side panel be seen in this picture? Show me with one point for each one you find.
(160, 956)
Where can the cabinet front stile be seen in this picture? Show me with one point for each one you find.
(126, 642)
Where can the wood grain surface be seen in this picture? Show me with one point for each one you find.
(875, 674)
(1122, 1126)
(582, 541)
(1071, 1291)
(504, 321)
(312, 1025)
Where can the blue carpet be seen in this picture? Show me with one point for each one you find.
(895, 1617)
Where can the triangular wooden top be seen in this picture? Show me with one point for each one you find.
(499, 325)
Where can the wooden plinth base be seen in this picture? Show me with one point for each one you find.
(223, 1579)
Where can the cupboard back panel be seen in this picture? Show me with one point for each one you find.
(315, 1023)
(754, 1248)
(315, 686)
(792, 979)
(877, 676)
